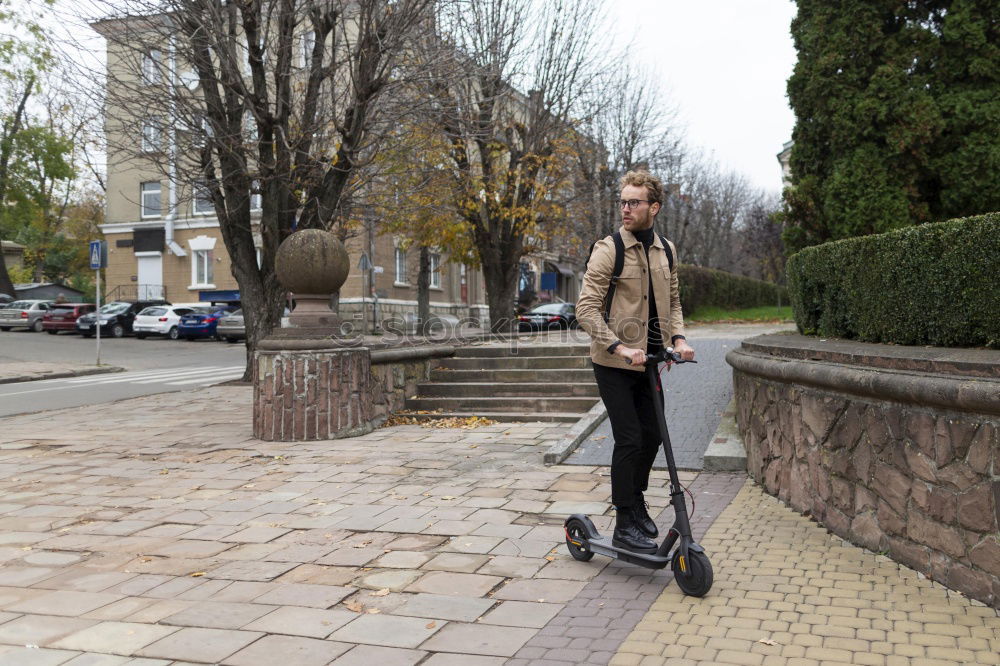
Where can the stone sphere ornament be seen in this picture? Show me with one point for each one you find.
(312, 264)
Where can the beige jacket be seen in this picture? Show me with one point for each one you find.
(630, 306)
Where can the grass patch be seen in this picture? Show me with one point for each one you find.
(709, 314)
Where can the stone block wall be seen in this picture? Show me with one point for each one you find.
(314, 390)
(312, 394)
(911, 475)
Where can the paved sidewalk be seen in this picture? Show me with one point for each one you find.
(27, 371)
(165, 534)
(788, 592)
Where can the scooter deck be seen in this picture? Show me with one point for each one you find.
(602, 546)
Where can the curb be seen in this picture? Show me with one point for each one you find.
(725, 453)
(104, 369)
(559, 451)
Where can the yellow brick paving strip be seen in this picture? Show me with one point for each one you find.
(788, 592)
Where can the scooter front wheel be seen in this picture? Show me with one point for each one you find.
(576, 537)
(698, 580)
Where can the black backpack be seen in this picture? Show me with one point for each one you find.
(620, 264)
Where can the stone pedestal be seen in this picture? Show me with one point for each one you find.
(312, 394)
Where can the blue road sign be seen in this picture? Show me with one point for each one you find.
(98, 254)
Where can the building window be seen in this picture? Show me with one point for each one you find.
(202, 200)
(249, 126)
(203, 266)
(256, 200)
(308, 44)
(202, 262)
(400, 266)
(151, 61)
(151, 135)
(436, 270)
(151, 199)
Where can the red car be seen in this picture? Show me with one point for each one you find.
(62, 316)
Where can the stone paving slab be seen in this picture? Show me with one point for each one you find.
(196, 543)
(788, 592)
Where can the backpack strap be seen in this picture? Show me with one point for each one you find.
(670, 252)
(615, 274)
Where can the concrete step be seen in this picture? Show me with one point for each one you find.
(573, 375)
(523, 405)
(506, 389)
(514, 417)
(514, 362)
(520, 349)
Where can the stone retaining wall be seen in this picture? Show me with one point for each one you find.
(315, 389)
(895, 449)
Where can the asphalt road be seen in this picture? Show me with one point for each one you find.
(694, 398)
(153, 365)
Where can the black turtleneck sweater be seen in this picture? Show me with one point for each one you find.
(654, 340)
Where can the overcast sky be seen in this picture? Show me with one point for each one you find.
(724, 64)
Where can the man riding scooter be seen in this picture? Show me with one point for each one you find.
(629, 305)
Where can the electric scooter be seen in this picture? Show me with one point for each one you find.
(691, 566)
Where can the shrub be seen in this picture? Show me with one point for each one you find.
(709, 287)
(933, 284)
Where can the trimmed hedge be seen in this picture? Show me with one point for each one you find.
(933, 284)
(707, 286)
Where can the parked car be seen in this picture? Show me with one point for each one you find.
(548, 315)
(116, 318)
(63, 316)
(232, 327)
(23, 314)
(164, 319)
(201, 324)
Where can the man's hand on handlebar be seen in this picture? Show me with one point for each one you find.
(632, 356)
(684, 349)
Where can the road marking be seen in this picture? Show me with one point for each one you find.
(164, 375)
(175, 377)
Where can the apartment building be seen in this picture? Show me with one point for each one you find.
(164, 240)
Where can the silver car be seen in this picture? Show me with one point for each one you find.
(23, 314)
(232, 328)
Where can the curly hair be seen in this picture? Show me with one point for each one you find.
(654, 188)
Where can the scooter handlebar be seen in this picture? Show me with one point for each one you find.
(667, 355)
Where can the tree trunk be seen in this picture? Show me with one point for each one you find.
(501, 289)
(424, 290)
(11, 128)
(6, 286)
(268, 302)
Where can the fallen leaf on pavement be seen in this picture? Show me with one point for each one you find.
(197, 574)
(355, 606)
(767, 641)
(381, 593)
(373, 611)
(431, 625)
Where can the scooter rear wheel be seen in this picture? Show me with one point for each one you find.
(575, 531)
(699, 582)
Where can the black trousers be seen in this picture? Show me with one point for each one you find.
(629, 400)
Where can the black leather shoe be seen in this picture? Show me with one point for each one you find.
(643, 519)
(628, 535)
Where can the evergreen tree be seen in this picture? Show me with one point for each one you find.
(964, 167)
(896, 116)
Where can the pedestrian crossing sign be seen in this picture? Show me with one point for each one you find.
(98, 254)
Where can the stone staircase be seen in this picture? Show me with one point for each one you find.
(508, 383)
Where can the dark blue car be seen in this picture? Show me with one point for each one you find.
(201, 324)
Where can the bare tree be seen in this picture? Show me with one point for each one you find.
(288, 100)
(507, 105)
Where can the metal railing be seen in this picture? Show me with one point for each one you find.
(136, 292)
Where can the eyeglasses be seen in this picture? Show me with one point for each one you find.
(631, 204)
